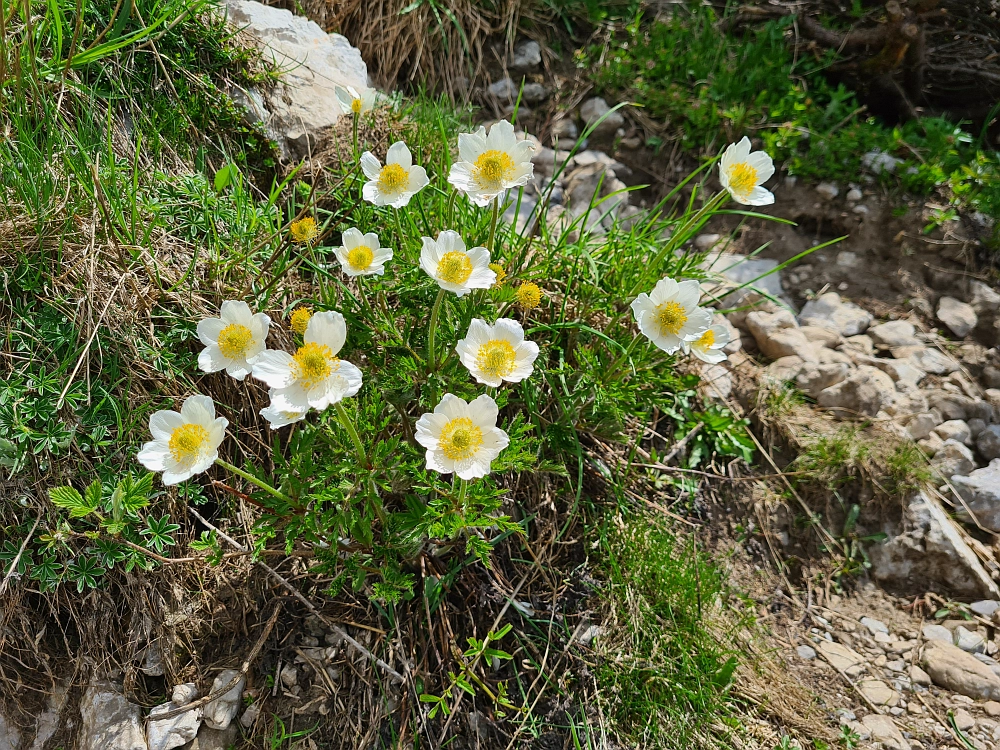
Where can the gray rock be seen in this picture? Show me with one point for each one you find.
(937, 633)
(884, 731)
(878, 692)
(564, 130)
(534, 93)
(976, 427)
(928, 359)
(964, 720)
(527, 56)
(814, 378)
(958, 316)
(219, 714)
(950, 405)
(830, 311)
(523, 216)
(988, 442)
(919, 426)
(875, 626)
(953, 669)
(808, 653)
(893, 334)
(926, 549)
(854, 195)
(313, 63)
(953, 459)
(828, 190)
(969, 640)
(216, 739)
(737, 270)
(985, 608)
(184, 694)
(504, 90)
(878, 162)
(954, 429)
(981, 492)
(594, 109)
(250, 715)
(109, 722)
(10, 738)
(862, 393)
(167, 734)
(919, 676)
(983, 298)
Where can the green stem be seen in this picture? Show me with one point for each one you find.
(493, 226)
(253, 480)
(345, 420)
(463, 486)
(435, 312)
(357, 154)
(616, 365)
(399, 231)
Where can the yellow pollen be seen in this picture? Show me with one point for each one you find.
(313, 364)
(492, 169)
(234, 341)
(455, 267)
(501, 274)
(742, 178)
(460, 439)
(707, 340)
(186, 443)
(303, 230)
(300, 320)
(670, 317)
(496, 358)
(360, 257)
(356, 106)
(528, 296)
(392, 178)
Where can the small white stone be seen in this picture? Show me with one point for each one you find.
(828, 190)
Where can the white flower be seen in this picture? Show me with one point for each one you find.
(462, 437)
(491, 164)
(396, 182)
(498, 352)
(352, 101)
(708, 347)
(314, 376)
(278, 418)
(742, 173)
(361, 254)
(670, 315)
(453, 267)
(184, 444)
(234, 340)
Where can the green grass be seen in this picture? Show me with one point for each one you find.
(712, 88)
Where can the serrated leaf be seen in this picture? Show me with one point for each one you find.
(92, 495)
(69, 499)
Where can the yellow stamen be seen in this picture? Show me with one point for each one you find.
(528, 296)
(392, 178)
(186, 443)
(492, 169)
(300, 320)
(303, 230)
(360, 257)
(313, 364)
(706, 341)
(742, 178)
(455, 267)
(357, 105)
(235, 341)
(496, 358)
(460, 439)
(501, 274)
(670, 317)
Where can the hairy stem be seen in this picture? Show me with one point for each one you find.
(253, 480)
(435, 312)
(345, 420)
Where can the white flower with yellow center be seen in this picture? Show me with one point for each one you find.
(669, 316)
(396, 182)
(185, 443)
(234, 340)
(354, 102)
(708, 347)
(453, 267)
(498, 352)
(462, 437)
(491, 164)
(313, 377)
(278, 418)
(361, 254)
(742, 173)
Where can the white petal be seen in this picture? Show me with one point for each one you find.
(198, 409)
(370, 165)
(664, 291)
(509, 330)
(452, 406)
(274, 367)
(209, 330)
(370, 193)
(483, 411)
(153, 455)
(163, 423)
(238, 370)
(236, 311)
(471, 145)
(758, 197)
(352, 238)
(451, 241)
(763, 165)
(327, 328)
(688, 293)
(399, 154)
(211, 359)
(292, 398)
(417, 179)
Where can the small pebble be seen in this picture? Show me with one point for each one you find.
(807, 653)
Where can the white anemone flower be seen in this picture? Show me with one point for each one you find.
(669, 316)
(462, 437)
(708, 347)
(234, 340)
(278, 418)
(361, 254)
(491, 164)
(313, 377)
(453, 267)
(185, 443)
(742, 173)
(395, 183)
(354, 102)
(498, 352)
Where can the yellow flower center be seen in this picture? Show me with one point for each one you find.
(186, 443)
(670, 317)
(455, 267)
(392, 178)
(528, 296)
(707, 340)
(360, 257)
(356, 106)
(496, 358)
(234, 341)
(313, 364)
(492, 169)
(300, 320)
(303, 230)
(742, 178)
(501, 274)
(460, 439)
